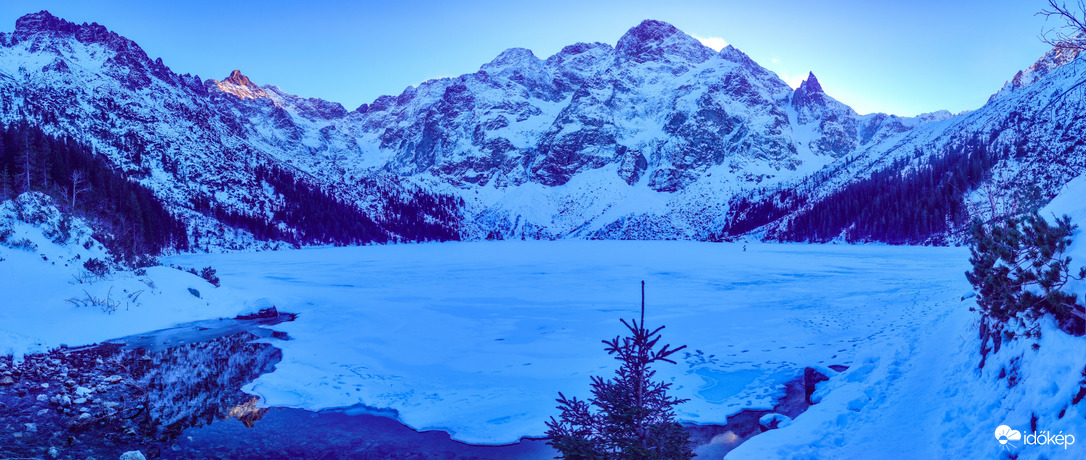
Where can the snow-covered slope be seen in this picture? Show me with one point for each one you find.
(654, 137)
(933, 398)
(55, 294)
(192, 143)
(1032, 132)
(658, 118)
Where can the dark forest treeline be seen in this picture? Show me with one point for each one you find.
(898, 205)
(312, 215)
(132, 222)
(423, 217)
(126, 216)
(308, 216)
(745, 215)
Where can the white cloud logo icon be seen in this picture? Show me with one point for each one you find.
(1005, 434)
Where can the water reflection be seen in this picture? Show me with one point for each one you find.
(136, 393)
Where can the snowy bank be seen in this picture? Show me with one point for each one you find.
(932, 399)
(51, 298)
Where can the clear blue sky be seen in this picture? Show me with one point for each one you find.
(901, 57)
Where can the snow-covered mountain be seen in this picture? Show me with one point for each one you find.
(1011, 155)
(657, 136)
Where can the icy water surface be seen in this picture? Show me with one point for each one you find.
(176, 393)
(476, 339)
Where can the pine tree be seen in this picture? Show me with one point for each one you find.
(7, 185)
(634, 416)
(1021, 266)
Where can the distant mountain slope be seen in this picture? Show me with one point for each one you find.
(1012, 154)
(228, 177)
(657, 136)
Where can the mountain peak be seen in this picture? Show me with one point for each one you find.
(811, 85)
(809, 94)
(44, 22)
(239, 85)
(40, 21)
(652, 30)
(512, 57)
(654, 40)
(238, 79)
(42, 29)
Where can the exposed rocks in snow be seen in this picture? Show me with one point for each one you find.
(133, 455)
(772, 421)
(104, 397)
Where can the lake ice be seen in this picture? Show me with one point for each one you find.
(477, 339)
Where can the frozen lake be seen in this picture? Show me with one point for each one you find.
(477, 339)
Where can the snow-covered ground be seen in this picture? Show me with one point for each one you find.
(926, 396)
(48, 298)
(478, 338)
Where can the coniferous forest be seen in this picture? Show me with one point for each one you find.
(311, 215)
(898, 205)
(132, 222)
(127, 217)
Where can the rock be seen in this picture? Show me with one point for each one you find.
(45, 385)
(83, 391)
(54, 452)
(133, 455)
(7, 381)
(112, 379)
(80, 401)
(269, 312)
(42, 398)
(811, 377)
(772, 421)
(84, 416)
(31, 427)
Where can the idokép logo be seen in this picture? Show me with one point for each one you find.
(1006, 435)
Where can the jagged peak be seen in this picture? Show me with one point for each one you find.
(811, 85)
(511, 57)
(809, 95)
(1055, 58)
(40, 22)
(732, 53)
(40, 28)
(581, 48)
(650, 30)
(238, 85)
(237, 78)
(654, 39)
(580, 54)
(44, 22)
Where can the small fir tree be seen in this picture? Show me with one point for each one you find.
(634, 417)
